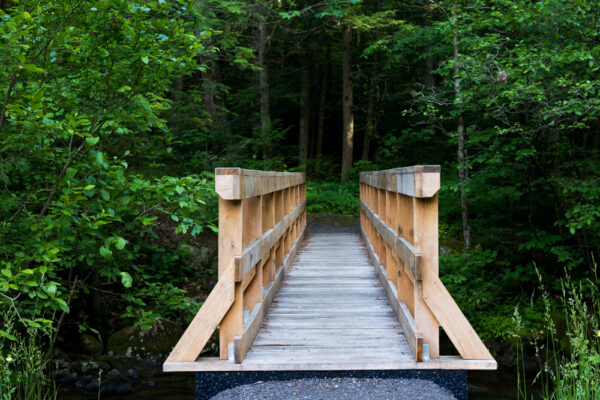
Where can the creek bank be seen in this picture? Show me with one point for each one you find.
(133, 358)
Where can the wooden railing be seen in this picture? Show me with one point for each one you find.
(261, 220)
(399, 221)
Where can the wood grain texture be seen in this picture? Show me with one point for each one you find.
(330, 308)
(206, 320)
(420, 181)
(402, 313)
(444, 362)
(425, 218)
(405, 251)
(330, 302)
(239, 183)
(454, 322)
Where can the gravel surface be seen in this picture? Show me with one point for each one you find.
(339, 388)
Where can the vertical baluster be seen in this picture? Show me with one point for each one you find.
(425, 219)
(251, 232)
(405, 228)
(279, 213)
(391, 218)
(268, 222)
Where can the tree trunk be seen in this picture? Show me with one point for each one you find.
(263, 78)
(304, 108)
(208, 95)
(371, 117)
(347, 100)
(322, 103)
(463, 173)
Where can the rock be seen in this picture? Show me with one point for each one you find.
(206, 258)
(186, 250)
(159, 340)
(125, 363)
(103, 365)
(62, 373)
(118, 363)
(83, 381)
(117, 384)
(69, 379)
(88, 366)
(90, 345)
(113, 372)
(92, 386)
(131, 374)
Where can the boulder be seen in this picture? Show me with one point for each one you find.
(132, 340)
(90, 345)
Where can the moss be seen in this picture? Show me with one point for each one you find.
(132, 340)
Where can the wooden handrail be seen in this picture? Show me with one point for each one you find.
(399, 221)
(262, 216)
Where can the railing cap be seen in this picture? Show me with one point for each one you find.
(240, 183)
(416, 181)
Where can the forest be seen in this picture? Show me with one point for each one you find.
(114, 115)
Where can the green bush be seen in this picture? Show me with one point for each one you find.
(332, 198)
(82, 129)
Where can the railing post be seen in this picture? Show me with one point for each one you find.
(230, 245)
(261, 220)
(425, 220)
(399, 219)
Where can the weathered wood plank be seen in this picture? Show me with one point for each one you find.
(419, 181)
(414, 338)
(259, 249)
(403, 249)
(238, 183)
(206, 320)
(444, 362)
(454, 322)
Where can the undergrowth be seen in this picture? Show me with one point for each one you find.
(332, 198)
(569, 356)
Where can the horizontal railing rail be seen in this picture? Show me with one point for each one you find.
(262, 217)
(399, 221)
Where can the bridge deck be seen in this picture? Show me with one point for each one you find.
(331, 308)
(331, 313)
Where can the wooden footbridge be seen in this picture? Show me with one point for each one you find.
(286, 301)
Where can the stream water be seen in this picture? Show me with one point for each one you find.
(483, 385)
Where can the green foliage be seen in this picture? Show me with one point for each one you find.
(23, 372)
(569, 357)
(84, 87)
(332, 198)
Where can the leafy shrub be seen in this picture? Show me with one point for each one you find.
(82, 117)
(332, 198)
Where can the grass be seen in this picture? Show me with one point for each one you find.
(570, 356)
(23, 365)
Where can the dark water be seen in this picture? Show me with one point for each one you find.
(483, 385)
